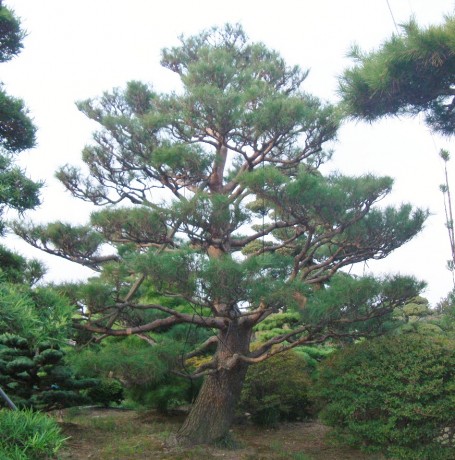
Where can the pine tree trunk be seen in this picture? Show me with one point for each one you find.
(213, 412)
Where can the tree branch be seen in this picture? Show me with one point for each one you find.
(202, 348)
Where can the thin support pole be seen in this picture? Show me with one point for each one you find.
(8, 401)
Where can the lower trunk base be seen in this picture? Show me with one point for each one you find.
(213, 412)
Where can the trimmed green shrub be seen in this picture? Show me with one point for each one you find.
(276, 390)
(394, 394)
(314, 354)
(38, 376)
(106, 392)
(27, 435)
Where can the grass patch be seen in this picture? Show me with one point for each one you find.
(109, 424)
(114, 434)
(282, 453)
(28, 435)
(229, 442)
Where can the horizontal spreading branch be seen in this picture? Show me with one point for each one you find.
(174, 318)
(307, 340)
(241, 243)
(274, 351)
(159, 323)
(195, 375)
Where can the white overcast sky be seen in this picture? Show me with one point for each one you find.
(75, 50)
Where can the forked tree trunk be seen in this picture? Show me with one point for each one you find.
(213, 412)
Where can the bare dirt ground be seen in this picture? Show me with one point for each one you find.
(102, 434)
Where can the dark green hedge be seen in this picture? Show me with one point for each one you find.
(393, 394)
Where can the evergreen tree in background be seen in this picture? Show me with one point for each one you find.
(19, 193)
(17, 132)
(229, 214)
(34, 327)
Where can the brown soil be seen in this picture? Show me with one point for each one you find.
(113, 434)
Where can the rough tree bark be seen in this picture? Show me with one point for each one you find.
(214, 409)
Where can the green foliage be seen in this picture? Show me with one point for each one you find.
(37, 376)
(416, 316)
(16, 190)
(17, 312)
(81, 241)
(143, 369)
(131, 360)
(169, 393)
(445, 315)
(410, 73)
(276, 324)
(313, 355)
(416, 308)
(105, 392)
(38, 314)
(276, 390)
(10, 33)
(123, 225)
(422, 328)
(230, 280)
(28, 435)
(16, 269)
(17, 131)
(393, 394)
(346, 298)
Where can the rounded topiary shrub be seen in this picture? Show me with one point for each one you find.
(393, 394)
(37, 375)
(28, 435)
(276, 390)
(106, 392)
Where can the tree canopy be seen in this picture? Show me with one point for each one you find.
(216, 214)
(17, 131)
(410, 73)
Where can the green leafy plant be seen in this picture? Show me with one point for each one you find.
(276, 390)
(28, 435)
(106, 392)
(394, 394)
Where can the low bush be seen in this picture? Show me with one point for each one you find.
(393, 394)
(276, 390)
(106, 392)
(28, 435)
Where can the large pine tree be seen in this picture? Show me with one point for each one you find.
(215, 199)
